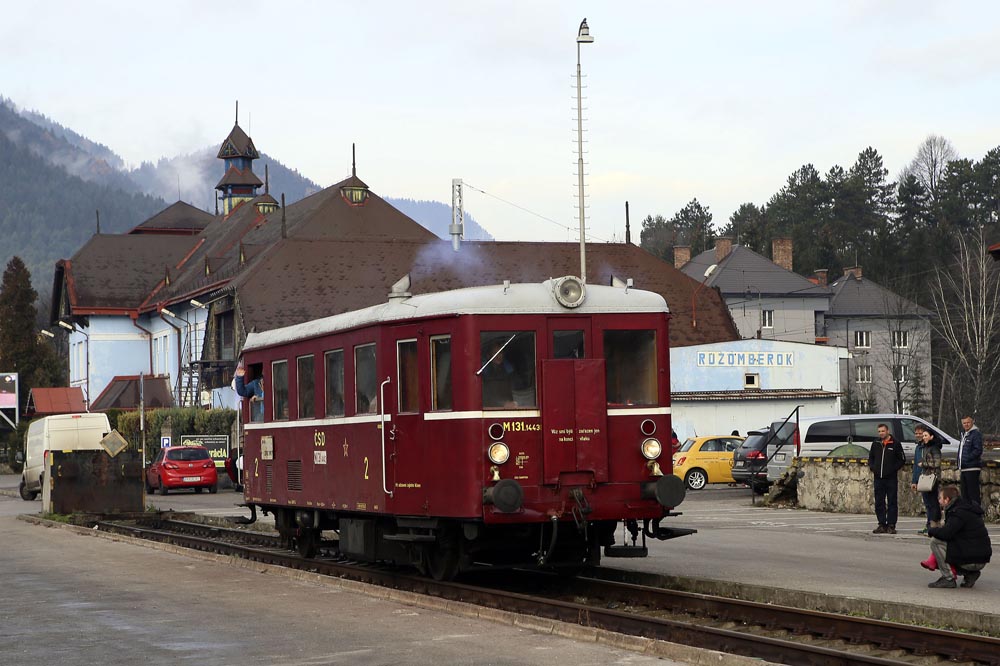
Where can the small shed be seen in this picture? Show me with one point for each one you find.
(52, 401)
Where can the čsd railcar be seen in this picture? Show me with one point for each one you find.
(518, 424)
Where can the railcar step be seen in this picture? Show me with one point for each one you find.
(625, 551)
(412, 538)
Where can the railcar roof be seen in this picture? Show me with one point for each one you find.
(532, 298)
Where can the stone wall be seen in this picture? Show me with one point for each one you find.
(845, 485)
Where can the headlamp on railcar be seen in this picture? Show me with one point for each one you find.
(570, 291)
(651, 448)
(499, 453)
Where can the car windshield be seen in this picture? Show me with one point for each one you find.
(755, 441)
(187, 454)
(686, 446)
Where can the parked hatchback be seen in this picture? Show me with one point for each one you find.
(182, 467)
(703, 460)
(750, 460)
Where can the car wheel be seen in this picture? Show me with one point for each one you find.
(759, 488)
(696, 479)
(162, 489)
(27, 495)
(213, 489)
(198, 490)
(149, 486)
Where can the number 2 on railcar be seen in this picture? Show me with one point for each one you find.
(512, 425)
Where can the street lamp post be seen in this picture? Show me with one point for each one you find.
(694, 295)
(582, 37)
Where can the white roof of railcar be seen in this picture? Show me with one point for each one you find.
(533, 298)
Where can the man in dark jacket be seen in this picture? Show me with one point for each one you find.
(962, 542)
(885, 458)
(970, 459)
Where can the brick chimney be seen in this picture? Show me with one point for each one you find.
(853, 270)
(781, 252)
(723, 246)
(821, 274)
(682, 255)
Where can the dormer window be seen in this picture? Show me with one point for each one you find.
(355, 196)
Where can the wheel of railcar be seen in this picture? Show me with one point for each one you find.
(442, 559)
(696, 479)
(307, 543)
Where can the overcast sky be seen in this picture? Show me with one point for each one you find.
(715, 100)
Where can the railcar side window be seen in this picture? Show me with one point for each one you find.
(279, 389)
(567, 344)
(508, 369)
(441, 373)
(409, 384)
(630, 358)
(365, 380)
(334, 382)
(305, 382)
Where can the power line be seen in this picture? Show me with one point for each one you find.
(531, 212)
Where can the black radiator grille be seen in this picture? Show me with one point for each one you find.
(269, 475)
(295, 475)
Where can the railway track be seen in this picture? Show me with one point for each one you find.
(774, 633)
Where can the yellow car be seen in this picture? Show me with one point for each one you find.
(702, 460)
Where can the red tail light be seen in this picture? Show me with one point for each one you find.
(680, 461)
(171, 465)
(756, 455)
(798, 444)
(210, 463)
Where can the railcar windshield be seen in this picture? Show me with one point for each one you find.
(441, 373)
(334, 382)
(365, 380)
(508, 369)
(306, 386)
(279, 384)
(630, 358)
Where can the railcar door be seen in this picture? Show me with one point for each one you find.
(574, 405)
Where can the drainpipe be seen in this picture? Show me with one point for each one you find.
(149, 343)
(179, 347)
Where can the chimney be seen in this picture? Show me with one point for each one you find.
(723, 246)
(853, 270)
(781, 252)
(821, 276)
(682, 255)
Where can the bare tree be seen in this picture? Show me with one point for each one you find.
(930, 163)
(966, 299)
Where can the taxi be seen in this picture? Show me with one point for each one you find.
(703, 460)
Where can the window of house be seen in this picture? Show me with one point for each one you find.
(365, 380)
(279, 389)
(863, 339)
(767, 318)
(407, 378)
(630, 364)
(334, 362)
(866, 406)
(226, 335)
(305, 383)
(863, 374)
(900, 406)
(900, 373)
(507, 359)
(441, 373)
(900, 339)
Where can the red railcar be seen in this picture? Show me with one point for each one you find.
(491, 426)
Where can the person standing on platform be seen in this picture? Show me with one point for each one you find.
(970, 460)
(961, 547)
(927, 460)
(885, 458)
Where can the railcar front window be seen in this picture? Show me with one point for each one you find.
(567, 344)
(406, 362)
(305, 382)
(279, 389)
(335, 382)
(441, 373)
(365, 380)
(630, 358)
(507, 359)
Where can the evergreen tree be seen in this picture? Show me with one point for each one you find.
(658, 237)
(693, 224)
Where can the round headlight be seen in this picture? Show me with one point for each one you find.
(499, 453)
(651, 448)
(570, 291)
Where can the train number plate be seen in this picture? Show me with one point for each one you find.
(191, 479)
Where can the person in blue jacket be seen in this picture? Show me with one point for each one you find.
(970, 460)
(253, 389)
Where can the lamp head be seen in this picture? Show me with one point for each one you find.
(68, 327)
(583, 36)
(47, 333)
(169, 313)
(196, 303)
(711, 269)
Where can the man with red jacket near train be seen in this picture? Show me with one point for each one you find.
(885, 458)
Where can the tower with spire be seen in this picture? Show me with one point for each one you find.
(239, 183)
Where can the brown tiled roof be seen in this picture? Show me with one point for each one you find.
(178, 216)
(122, 392)
(59, 400)
(297, 280)
(238, 144)
(236, 177)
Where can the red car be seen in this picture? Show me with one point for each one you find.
(182, 467)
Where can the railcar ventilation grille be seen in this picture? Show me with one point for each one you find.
(269, 474)
(295, 475)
